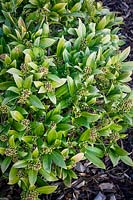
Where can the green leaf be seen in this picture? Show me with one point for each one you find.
(127, 160)
(6, 29)
(96, 151)
(39, 129)
(17, 115)
(14, 89)
(32, 174)
(76, 7)
(13, 178)
(46, 189)
(102, 23)
(20, 164)
(58, 159)
(5, 164)
(91, 60)
(12, 141)
(27, 138)
(14, 71)
(5, 85)
(90, 117)
(33, 65)
(94, 159)
(28, 82)
(83, 121)
(59, 7)
(114, 157)
(66, 56)
(51, 137)
(64, 127)
(125, 77)
(52, 97)
(10, 98)
(124, 54)
(81, 31)
(35, 101)
(119, 151)
(47, 162)
(61, 91)
(71, 85)
(84, 136)
(56, 118)
(48, 176)
(127, 66)
(18, 80)
(57, 81)
(46, 42)
(60, 47)
(2, 150)
(67, 181)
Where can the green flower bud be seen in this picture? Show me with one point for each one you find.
(10, 152)
(4, 109)
(3, 138)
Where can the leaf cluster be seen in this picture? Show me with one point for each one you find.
(64, 94)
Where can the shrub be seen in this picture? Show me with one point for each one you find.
(64, 92)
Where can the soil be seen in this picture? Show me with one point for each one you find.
(92, 183)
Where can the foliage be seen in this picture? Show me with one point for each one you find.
(64, 92)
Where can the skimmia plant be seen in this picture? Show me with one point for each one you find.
(64, 95)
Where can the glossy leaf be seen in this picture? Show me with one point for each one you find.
(124, 54)
(51, 137)
(71, 85)
(46, 42)
(47, 162)
(58, 159)
(35, 101)
(13, 178)
(17, 115)
(60, 47)
(46, 189)
(20, 164)
(5, 164)
(127, 160)
(28, 82)
(85, 135)
(94, 159)
(18, 80)
(32, 174)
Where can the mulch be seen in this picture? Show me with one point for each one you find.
(93, 183)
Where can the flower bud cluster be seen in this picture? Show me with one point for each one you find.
(26, 123)
(15, 158)
(3, 138)
(4, 109)
(24, 68)
(83, 44)
(93, 135)
(34, 165)
(25, 95)
(10, 152)
(43, 70)
(126, 105)
(47, 150)
(87, 71)
(114, 136)
(48, 87)
(32, 195)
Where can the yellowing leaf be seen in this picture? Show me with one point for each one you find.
(17, 115)
(78, 157)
